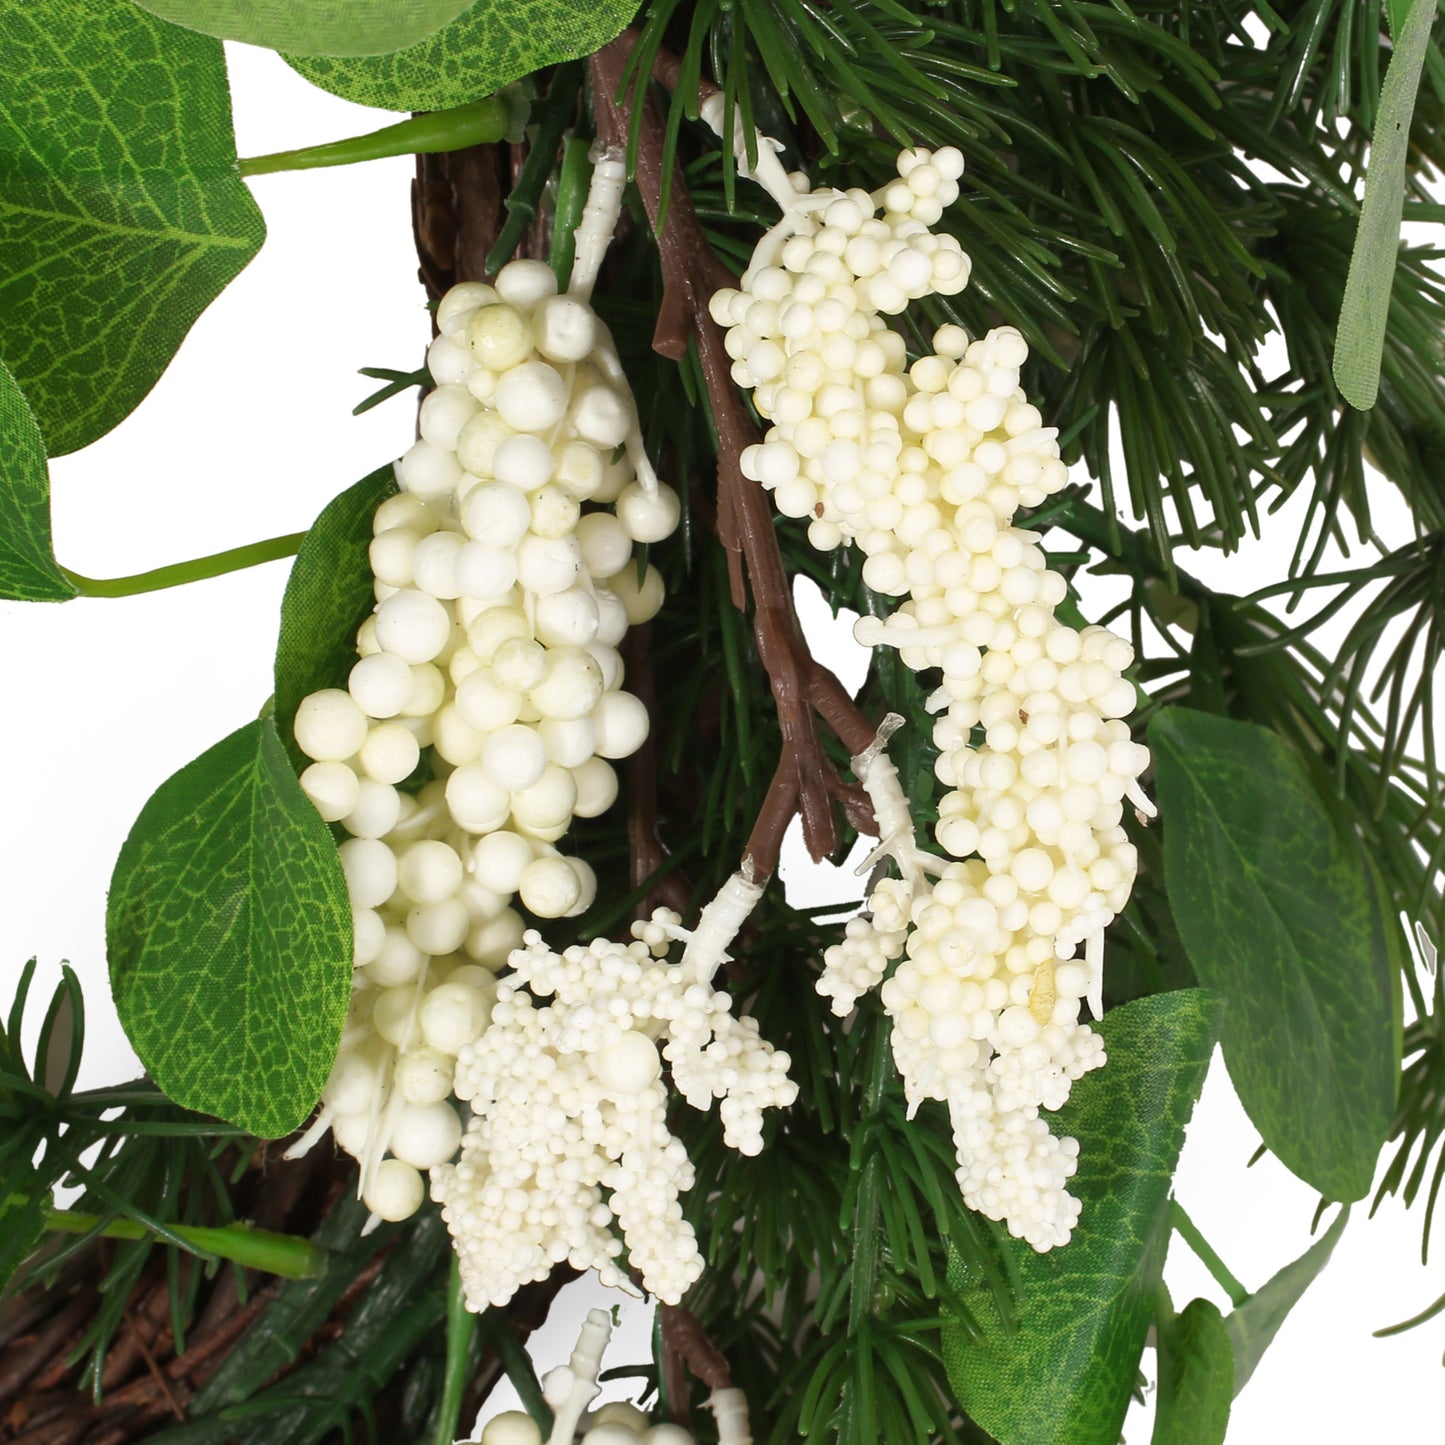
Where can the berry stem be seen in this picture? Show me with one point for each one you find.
(806, 784)
(198, 569)
(481, 122)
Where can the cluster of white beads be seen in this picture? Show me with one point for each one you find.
(568, 1103)
(505, 582)
(391, 1086)
(923, 466)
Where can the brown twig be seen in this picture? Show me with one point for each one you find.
(686, 1346)
(806, 784)
(648, 852)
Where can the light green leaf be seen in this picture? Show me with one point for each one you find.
(1277, 914)
(313, 27)
(1253, 1326)
(1196, 1377)
(328, 596)
(28, 570)
(122, 215)
(494, 42)
(1066, 1372)
(1360, 337)
(230, 937)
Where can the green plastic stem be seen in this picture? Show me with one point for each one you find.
(461, 1328)
(196, 570)
(1188, 1231)
(481, 122)
(282, 1254)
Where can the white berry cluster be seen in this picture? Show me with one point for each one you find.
(505, 582)
(569, 1136)
(923, 467)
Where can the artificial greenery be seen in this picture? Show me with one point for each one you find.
(1154, 193)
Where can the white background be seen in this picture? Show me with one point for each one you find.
(248, 435)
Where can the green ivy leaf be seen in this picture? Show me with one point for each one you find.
(494, 42)
(313, 27)
(1067, 1370)
(1196, 1377)
(230, 937)
(122, 214)
(1360, 337)
(28, 570)
(1253, 1326)
(328, 596)
(1277, 914)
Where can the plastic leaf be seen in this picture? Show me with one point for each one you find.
(328, 596)
(494, 42)
(1360, 340)
(1196, 1377)
(28, 571)
(230, 937)
(122, 215)
(1067, 1370)
(1276, 911)
(1253, 1326)
(313, 27)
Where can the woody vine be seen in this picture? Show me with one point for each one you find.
(724, 296)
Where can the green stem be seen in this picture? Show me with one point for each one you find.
(282, 1254)
(572, 181)
(461, 1328)
(863, 1274)
(1188, 1231)
(481, 122)
(196, 570)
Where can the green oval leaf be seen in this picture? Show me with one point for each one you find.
(1196, 1377)
(230, 939)
(494, 42)
(28, 570)
(313, 27)
(1360, 337)
(1277, 914)
(1067, 1370)
(328, 596)
(122, 215)
(1253, 1326)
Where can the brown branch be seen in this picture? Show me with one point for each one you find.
(806, 784)
(686, 1346)
(647, 850)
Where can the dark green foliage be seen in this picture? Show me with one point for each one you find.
(147, 1161)
(328, 596)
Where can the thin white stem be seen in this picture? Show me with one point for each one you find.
(719, 923)
(730, 1408)
(583, 1387)
(313, 1135)
(599, 220)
